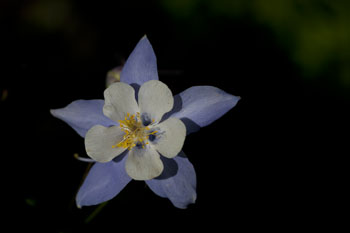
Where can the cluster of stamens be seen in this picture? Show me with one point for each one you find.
(135, 132)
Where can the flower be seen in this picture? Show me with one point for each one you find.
(140, 129)
(138, 132)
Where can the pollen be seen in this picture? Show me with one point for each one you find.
(135, 132)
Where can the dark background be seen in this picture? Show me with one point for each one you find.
(275, 161)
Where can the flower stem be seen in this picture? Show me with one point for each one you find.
(95, 212)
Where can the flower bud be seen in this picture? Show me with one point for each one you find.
(113, 75)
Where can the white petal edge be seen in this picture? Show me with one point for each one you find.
(99, 142)
(155, 99)
(143, 164)
(170, 138)
(119, 100)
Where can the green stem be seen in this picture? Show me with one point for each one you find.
(95, 212)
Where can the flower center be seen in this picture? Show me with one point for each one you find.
(135, 132)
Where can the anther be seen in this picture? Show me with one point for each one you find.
(135, 132)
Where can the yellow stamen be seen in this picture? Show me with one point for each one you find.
(135, 132)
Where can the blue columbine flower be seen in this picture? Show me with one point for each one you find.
(138, 132)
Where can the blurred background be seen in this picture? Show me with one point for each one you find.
(272, 162)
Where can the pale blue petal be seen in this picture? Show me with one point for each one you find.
(81, 115)
(141, 66)
(104, 181)
(199, 106)
(177, 182)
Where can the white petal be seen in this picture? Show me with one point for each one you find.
(119, 100)
(155, 99)
(171, 137)
(99, 142)
(143, 164)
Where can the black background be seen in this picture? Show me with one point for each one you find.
(269, 163)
